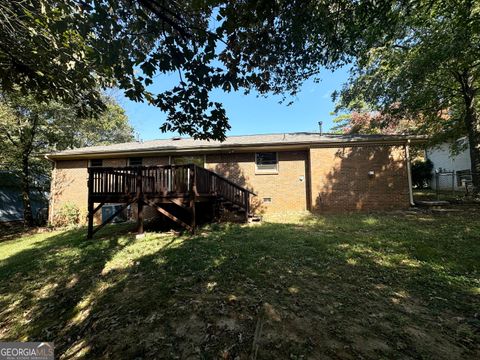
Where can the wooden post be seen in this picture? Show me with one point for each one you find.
(214, 210)
(193, 194)
(193, 181)
(140, 202)
(247, 206)
(90, 219)
(194, 217)
(90, 205)
(140, 217)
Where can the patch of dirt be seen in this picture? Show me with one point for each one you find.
(227, 324)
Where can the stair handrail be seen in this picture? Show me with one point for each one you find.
(225, 179)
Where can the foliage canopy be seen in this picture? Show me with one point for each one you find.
(29, 129)
(62, 49)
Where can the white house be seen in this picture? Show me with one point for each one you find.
(445, 162)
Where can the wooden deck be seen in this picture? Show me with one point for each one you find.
(181, 185)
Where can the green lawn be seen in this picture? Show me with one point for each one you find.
(443, 195)
(396, 286)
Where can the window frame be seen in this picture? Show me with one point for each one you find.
(259, 170)
(90, 164)
(201, 158)
(136, 158)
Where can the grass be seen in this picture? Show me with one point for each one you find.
(443, 195)
(333, 287)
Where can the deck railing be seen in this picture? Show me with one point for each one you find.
(210, 182)
(165, 180)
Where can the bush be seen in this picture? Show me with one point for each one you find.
(67, 216)
(422, 173)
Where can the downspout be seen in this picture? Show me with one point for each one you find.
(409, 173)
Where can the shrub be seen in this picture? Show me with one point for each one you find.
(422, 173)
(67, 216)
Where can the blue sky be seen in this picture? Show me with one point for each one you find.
(250, 114)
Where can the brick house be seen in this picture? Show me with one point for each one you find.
(285, 172)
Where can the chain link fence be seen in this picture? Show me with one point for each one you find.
(454, 182)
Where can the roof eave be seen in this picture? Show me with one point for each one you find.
(398, 140)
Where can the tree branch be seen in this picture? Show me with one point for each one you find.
(160, 11)
(11, 139)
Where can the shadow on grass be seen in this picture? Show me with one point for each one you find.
(329, 287)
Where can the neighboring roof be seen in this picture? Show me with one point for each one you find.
(231, 142)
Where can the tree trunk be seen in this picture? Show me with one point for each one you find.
(27, 206)
(472, 123)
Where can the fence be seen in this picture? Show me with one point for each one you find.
(452, 181)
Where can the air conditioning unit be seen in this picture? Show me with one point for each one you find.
(109, 210)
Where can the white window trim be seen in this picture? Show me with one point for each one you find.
(267, 171)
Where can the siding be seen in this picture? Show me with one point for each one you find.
(442, 158)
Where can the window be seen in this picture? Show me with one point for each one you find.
(183, 160)
(96, 162)
(267, 200)
(266, 162)
(135, 161)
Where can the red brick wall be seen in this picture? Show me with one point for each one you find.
(285, 188)
(69, 183)
(340, 180)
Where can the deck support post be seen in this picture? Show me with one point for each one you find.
(90, 205)
(90, 219)
(140, 217)
(111, 217)
(247, 207)
(214, 211)
(193, 180)
(140, 202)
(194, 217)
(169, 215)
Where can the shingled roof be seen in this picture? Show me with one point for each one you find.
(231, 142)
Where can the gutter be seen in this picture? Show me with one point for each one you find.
(409, 173)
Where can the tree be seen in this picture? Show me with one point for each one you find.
(110, 127)
(62, 49)
(361, 119)
(411, 59)
(355, 122)
(422, 173)
(29, 128)
(427, 68)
